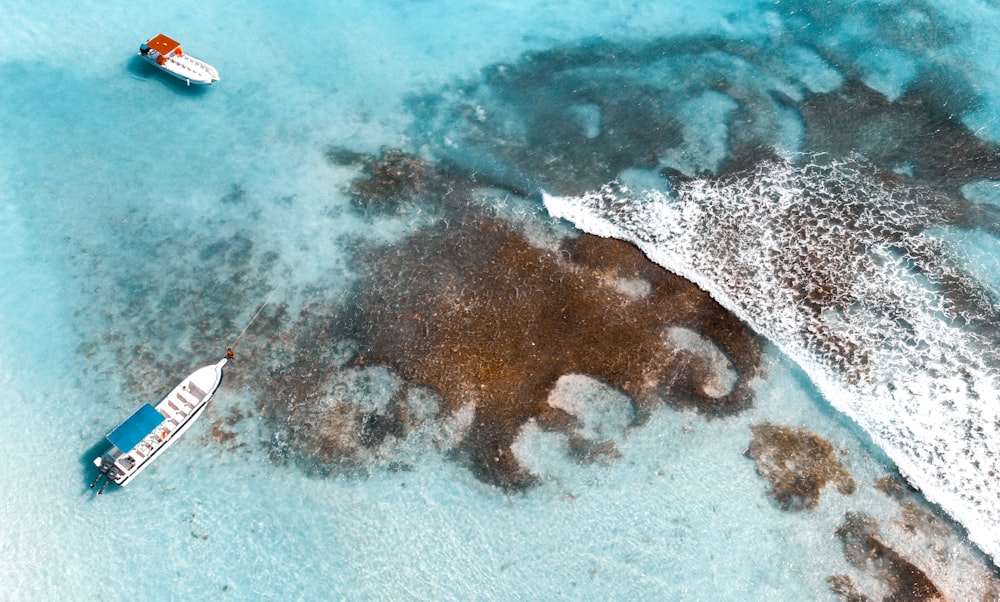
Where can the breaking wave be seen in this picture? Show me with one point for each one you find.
(834, 263)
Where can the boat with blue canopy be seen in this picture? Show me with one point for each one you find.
(150, 430)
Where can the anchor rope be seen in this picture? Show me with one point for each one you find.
(252, 320)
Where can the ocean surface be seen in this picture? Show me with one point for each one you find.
(462, 386)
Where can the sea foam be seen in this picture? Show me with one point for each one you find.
(838, 267)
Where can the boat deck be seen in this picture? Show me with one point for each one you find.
(188, 67)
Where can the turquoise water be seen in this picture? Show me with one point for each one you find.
(142, 223)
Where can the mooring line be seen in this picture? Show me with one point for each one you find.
(229, 350)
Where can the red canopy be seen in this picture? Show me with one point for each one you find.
(164, 45)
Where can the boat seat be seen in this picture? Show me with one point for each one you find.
(182, 413)
(194, 390)
(185, 401)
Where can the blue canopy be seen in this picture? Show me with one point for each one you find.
(135, 428)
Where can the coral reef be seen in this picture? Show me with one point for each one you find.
(172, 316)
(455, 337)
(472, 310)
(482, 316)
(959, 573)
(570, 119)
(598, 417)
(798, 464)
(392, 179)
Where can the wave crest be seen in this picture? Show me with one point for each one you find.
(833, 262)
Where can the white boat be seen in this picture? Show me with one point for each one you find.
(166, 54)
(150, 430)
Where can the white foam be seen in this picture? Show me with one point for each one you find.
(835, 267)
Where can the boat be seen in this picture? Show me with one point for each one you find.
(166, 54)
(150, 430)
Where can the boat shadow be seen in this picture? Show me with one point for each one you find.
(143, 71)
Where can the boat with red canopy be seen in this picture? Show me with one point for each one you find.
(166, 53)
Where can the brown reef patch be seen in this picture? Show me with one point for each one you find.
(865, 550)
(798, 464)
(480, 315)
(333, 417)
(392, 179)
(219, 432)
(225, 431)
(892, 486)
(843, 586)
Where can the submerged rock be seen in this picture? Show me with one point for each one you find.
(798, 464)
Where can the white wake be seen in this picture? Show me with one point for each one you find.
(833, 264)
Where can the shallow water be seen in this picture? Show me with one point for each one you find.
(142, 222)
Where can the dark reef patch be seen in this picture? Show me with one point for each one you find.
(393, 179)
(236, 196)
(472, 310)
(588, 451)
(660, 114)
(469, 308)
(226, 430)
(918, 520)
(570, 119)
(914, 26)
(798, 464)
(865, 550)
(920, 130)
(330, 416)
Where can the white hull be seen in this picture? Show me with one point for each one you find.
(186, 68)
(149, 435)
